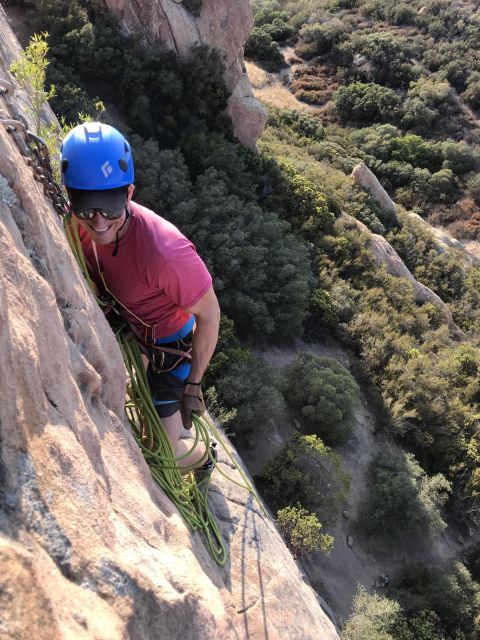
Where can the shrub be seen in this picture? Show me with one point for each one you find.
(449, 591)
(459, 157)
(373, 617)
(324, 393)
(301, 122)
(389, 57)
(417, 116)
(403, 500)
(275, 23)
(322, 37)
(302, 531)
(473, 186)
(361, 103)
(261, 46)
(472, 92)
(442, 187)
(261, 271)
(305, 472)
(249, 384)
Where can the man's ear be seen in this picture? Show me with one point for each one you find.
(131, 189)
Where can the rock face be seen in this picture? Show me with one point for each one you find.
(90, 547)
(222, 24)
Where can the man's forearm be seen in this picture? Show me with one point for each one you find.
(204, 342)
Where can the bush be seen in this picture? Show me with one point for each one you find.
(249, 384)
(275, 23)
(301, 122)
(261, 46)
(442, 187)
(459, 157)
(473, 186)
(261, 271)
(322, 37)
(389, 57)
(472, 92)
(302, 531)
(373, 617)
(417, 116)
(403, 501)
(324, 393)
(305, 472)
(360, 103)
(449, 591)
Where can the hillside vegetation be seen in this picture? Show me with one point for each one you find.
(288, 263)
(414, 66)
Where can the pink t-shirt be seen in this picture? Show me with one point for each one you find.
(156, 273)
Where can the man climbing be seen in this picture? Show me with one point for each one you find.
(161, 286)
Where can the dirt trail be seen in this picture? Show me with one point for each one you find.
(336, 577)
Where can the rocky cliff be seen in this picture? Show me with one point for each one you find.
(89, 546)
(180, 25)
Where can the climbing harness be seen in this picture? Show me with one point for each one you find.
(190, 498)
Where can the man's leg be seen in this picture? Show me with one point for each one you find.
(167, 391)
(173, 426)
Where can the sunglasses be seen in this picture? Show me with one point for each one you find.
(89, 214)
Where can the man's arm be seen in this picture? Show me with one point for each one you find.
(207, 316)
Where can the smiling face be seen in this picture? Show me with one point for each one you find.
(101, 230)
(104, 231)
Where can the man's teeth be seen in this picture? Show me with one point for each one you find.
(101, 230)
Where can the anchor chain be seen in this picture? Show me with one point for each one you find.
(32, 147)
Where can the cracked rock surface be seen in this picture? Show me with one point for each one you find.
(222, 24)
(90, 547)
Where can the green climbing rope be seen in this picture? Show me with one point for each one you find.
(190, 497)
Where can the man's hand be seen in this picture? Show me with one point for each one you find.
(191, 403)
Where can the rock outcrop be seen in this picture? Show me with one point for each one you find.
(386, 256)
(90, 547)
(365, 178)
(221, 24)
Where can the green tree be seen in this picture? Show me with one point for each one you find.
(322, 37)
(324, 393)
(373, 617)
(261, 46)
(261, 271)
(305, 472)
(448, 590)
(302, 531)
(250, 385)
(403, 500)
(473, 186)
(361, 103)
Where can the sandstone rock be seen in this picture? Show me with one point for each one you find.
(220, 24)
(386, 255)
(368, 181)
(90, 547)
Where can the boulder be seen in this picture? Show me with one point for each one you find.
(365, 178)
(220, 24)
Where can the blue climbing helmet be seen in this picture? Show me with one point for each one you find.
(94, 157)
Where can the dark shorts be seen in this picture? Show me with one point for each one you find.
(167, 387)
